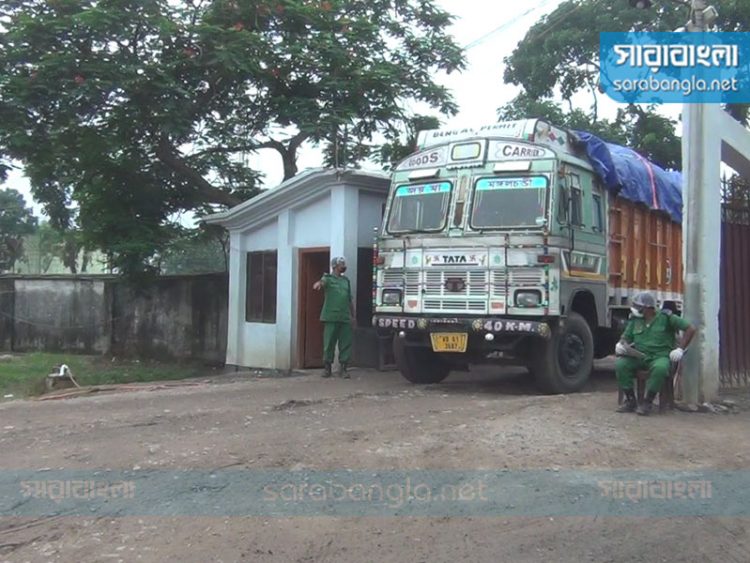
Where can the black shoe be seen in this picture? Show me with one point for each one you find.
(327, 370)
(627, 405)
(648, 404)
(644, 409)
(343, 372)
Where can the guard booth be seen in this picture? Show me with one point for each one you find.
(281, 242)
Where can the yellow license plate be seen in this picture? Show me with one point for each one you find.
(449, 341)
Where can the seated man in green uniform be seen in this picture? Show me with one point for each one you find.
(337, 316)
(648, 343)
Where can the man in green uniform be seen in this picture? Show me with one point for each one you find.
(337, 316)
(648, 343)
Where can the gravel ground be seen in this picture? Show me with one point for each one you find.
(545, 453)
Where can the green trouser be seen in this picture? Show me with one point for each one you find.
(626, 368)
(333, 333)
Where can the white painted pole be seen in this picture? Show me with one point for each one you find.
(701, 235)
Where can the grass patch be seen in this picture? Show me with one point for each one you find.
(25, 374)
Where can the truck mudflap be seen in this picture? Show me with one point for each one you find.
(484, 325)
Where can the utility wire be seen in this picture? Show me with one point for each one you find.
(553, 25)
(505, 25)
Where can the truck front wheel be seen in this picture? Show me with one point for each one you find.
(564, 362)
(418, 364)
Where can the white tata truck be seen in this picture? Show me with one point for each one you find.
(503, 245)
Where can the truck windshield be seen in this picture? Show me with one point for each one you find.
(419, 207)
(509, 202)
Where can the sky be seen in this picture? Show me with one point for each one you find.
(490, 30)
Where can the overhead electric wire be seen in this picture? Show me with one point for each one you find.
(553, 25)
(505, 25)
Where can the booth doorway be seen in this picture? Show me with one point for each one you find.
(313, 263)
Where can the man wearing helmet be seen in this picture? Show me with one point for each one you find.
(337, 316)
(648, 343)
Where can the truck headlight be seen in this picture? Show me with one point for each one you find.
(392, 297)
(528, 298)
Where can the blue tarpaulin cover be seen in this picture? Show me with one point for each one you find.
(634, 177)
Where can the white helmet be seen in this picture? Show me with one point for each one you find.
(645, 300)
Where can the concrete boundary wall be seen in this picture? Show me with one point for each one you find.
(176, 318)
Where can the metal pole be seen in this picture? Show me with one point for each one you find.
(701, 235)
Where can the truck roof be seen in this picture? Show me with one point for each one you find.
(538, 131)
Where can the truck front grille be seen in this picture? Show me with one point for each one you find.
(466, 284)
(408, 281)
(455, 305)
(526, 277)
(515, 278)
(456, 291)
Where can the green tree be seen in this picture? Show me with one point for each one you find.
(140, 110)
(561, 51)
(41, 248)
(653, 136)
(401, 144)
(560, 54)
(46, 245)
(199, 251)
(71, 250)
(16, 221)
(640, 128)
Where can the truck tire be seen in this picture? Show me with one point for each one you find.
(604, 343)
(417, 364)
(566, 360)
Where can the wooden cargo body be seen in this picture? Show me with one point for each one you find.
(645, 252)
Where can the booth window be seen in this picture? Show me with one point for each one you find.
(260, 296)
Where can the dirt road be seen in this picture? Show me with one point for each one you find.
(548, 452)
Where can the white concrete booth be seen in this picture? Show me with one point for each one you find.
(281, 242)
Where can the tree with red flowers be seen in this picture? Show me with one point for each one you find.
(136, 111)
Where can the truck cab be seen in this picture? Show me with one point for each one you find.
(494, 249)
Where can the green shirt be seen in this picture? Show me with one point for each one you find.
(338, 298)
(656, 339)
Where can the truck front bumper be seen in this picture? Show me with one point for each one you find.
(498, 327)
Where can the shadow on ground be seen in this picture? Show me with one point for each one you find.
(503, 380)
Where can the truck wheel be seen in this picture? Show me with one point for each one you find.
(564, 363)
(417, 364)
(604, 345)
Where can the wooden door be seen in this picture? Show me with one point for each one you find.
(313, 264)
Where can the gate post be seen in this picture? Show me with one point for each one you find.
(701, 226)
